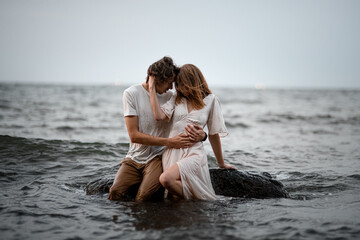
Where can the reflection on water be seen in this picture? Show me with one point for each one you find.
(167, 214)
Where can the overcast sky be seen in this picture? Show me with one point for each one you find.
(234, 43)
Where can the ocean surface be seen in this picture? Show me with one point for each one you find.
(56, 139)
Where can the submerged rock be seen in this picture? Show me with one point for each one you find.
(231, 183)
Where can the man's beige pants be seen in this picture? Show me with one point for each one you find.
(131, 173)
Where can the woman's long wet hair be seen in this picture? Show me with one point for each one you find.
(191, 85)
(164, 70)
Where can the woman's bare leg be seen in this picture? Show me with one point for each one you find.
(171, 180)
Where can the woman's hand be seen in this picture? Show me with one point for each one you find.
(228, 166)
(195, 133)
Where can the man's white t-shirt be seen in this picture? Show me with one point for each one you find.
(136, 102)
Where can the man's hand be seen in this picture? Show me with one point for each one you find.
(228, 166)
(195, 133)
(151, 83)
(180, 141)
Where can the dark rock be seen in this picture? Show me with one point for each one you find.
(233, 183)
(101, 185)
(230, 183)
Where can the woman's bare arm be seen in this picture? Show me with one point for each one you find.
(216, 146)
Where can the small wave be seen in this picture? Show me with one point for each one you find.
(74, 119)
(20, 148)
(302, 197)
(21, 212)
(319, 118)
(6, 174)
(4, 101)
(79, 167)
(11, 126)
(312, 176)
(2, 106)
(68, 109)
(34, 150)
(85, 128)
(283, 176)
(44, 125)
(236, 125)
(100, 128)
(317, 188)
(334, 109)
(291, 116)
(324, 132)
(94, 104)
(239, 152)
(25, 188)
(65, 128)
(227, 100)
(250, 101)
(355, 176)
(269, 120)
(57, 166)
(324, 116)
(355, 120)
(91, 151)
(304, 186)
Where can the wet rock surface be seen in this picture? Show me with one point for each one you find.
(231, 183)
(235, 183)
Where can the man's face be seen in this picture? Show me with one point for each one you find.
(163, 87)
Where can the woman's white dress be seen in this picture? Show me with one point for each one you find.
(192, 162)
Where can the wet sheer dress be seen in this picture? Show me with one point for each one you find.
(192, 162)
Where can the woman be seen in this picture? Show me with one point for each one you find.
(186, 172)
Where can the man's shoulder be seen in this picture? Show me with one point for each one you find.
(134, 91)
(133, 88)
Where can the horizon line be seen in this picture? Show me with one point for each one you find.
(255, 86)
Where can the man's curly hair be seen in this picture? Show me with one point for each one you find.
(163, 70)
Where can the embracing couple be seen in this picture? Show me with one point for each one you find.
(166, 134)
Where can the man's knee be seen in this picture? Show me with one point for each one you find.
(143, 196)
(116, 193)
(147, 191)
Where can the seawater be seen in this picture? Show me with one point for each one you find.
(56, 139)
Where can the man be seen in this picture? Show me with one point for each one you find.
(148, 137)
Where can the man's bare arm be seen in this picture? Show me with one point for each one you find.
(132, 125)
(154, 102)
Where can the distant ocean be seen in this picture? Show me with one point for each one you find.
(56, 139)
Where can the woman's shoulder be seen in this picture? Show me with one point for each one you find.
(210, 98)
